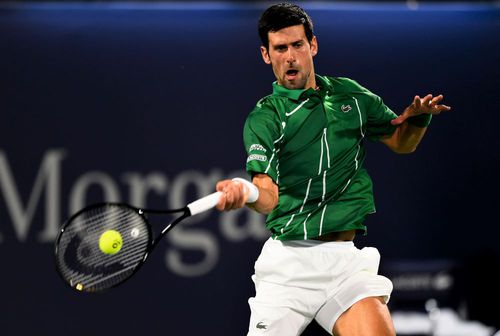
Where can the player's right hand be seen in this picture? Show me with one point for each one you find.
(233, 195)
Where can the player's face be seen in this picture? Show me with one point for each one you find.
(291, 57)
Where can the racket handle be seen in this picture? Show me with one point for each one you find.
(204, 204)
(253, 191)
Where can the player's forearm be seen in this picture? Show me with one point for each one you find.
(405, 138)
(268, 194)
(266, 202)
(409, 137)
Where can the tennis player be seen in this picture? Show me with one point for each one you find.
(305, 156)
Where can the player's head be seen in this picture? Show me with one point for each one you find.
(283, 15)
(289, 45)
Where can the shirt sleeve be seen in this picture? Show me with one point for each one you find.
(261, 135)
(379, 119)
(378, 115)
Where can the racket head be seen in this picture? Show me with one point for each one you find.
(83, 265)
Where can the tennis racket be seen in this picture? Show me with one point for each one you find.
(85, 266)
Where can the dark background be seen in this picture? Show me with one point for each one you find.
(161, 90)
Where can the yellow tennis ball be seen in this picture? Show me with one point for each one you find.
(110, 242)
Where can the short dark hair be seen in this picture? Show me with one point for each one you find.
(281, 16)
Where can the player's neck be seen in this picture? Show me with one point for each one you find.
(311, 83)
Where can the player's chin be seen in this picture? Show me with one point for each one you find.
(292, 85)
(295, 87)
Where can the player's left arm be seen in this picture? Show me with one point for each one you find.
(412, 123)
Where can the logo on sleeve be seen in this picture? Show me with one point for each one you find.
(257, 157)
(257, 147)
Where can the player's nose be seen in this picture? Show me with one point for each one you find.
(290, 57)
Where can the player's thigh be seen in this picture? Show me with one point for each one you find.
(367, 317)
(279, 310)
(275, 320)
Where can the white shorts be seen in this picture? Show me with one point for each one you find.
(298, 281)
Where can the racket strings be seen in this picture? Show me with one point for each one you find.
(111, 222)
(90, 227)
(81, 262)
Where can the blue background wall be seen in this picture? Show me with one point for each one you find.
(145, 104)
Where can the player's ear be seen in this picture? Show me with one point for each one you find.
(265, 55)
(314, 46)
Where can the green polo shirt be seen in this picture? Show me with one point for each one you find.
(310, 142)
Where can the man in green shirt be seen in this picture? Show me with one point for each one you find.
(305, 156)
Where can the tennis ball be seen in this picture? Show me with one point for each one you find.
(110, 242)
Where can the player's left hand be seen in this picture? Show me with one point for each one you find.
(426, 105)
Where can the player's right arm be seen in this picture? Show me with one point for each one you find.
(235, 195)
(261, 135)
(268, 194)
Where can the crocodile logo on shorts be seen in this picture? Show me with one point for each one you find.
(261, 325)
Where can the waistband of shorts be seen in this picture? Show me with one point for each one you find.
(316, 244)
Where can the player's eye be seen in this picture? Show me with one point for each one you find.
(298, 45)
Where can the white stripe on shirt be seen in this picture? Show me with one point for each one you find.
(297, 108)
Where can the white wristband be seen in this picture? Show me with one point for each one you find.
(253, 191)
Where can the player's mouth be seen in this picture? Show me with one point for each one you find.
(291, 74)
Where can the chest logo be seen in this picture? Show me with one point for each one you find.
(345, 108)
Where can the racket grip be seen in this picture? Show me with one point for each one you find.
(204, 204)
(253, 191)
